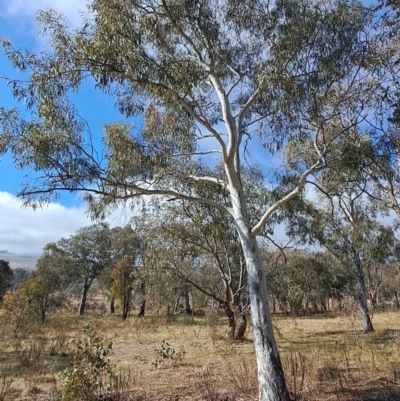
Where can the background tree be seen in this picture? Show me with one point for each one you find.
(16, 306)
(286, 72)
(124, 276)
(87, 254)
(20, 275)
(6, 278)
(344, 225)
(219, 261)
(45, 286)
(302, 280)
(126, 242)
(390, 289)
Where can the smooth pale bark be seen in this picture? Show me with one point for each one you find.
(271, 379)
(363, 306)
(85, 289)
(362, 297)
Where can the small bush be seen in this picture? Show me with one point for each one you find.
(166, 353)
(89, 375)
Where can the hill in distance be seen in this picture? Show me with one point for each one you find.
(25, 261)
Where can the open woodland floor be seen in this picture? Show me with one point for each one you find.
(326, 357)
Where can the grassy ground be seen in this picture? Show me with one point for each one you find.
(325, 358)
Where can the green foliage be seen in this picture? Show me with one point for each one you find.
(124, 278)
(38, 294)
(84, 256)
(6, 278)
(89, 375)
(167, 353)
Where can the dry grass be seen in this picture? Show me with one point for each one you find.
(324, 357)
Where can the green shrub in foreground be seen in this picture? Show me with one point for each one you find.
(89, 375)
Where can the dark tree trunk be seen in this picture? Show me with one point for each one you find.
(188, 309)
(177, 301)
(315, 306)
(237, 322)
(231, 319)
(112, 304)
(126, 302)
(273, 301)
(396, 299)
(85, 290)
(125, 311)
(142, 309)
(169, 314)
(241, 323)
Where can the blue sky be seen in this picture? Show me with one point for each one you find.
(24, 230)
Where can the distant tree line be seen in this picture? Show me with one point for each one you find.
(175, 265)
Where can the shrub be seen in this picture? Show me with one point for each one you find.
(89, 375)
(167, 353)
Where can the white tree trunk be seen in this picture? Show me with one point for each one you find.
(362, 297)
(271, 379)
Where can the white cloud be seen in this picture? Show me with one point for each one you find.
(27, 231)
(23, 230)
(24, 11)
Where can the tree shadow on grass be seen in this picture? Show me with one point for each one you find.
(378, 390)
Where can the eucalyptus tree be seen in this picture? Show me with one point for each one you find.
(372, 159)
(45, 286)
(313, 278)
(127, 248)
(37, 293)
(86, 255)
(217, 267)
(381, 266)
(345, 224)
(168, 264)
(234, 71)
(19, 276)
(124, 277)
(390, 290)
(301, 279)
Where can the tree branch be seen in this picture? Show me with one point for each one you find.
(210, 179)
(302, 182)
